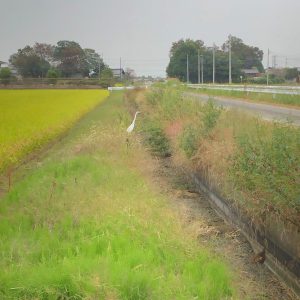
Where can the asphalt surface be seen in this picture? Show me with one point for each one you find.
(288, 90)
(265, 111)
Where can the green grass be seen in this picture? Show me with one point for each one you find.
(84, 224)
(292, 100)
(31, 118)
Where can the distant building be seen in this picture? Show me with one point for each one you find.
(118, 73)
(3, 64)
(13, 70)
(253, 72)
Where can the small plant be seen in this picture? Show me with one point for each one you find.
(189, 140)
(211, 114)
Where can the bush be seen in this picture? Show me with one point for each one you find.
(211, 113)
(267, 164)
(263, 80)
(107, 78)
(52, 74)
(5, 75)
(189, 140)
(154, 96)
(156, 139)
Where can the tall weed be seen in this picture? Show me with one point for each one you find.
(156, 138)
(267, 164)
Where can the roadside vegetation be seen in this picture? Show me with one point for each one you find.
(291, 100)
(253, 163)
(84, 223)
(31, 118)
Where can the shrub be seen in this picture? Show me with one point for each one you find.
(211, 113)
(267, 164)
(5, 75)
(189, 140)
(107, 78)
(156, 138)
(154, 96)
(52, 74)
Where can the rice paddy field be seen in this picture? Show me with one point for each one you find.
(31, 118)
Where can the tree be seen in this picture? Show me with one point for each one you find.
(44, 51)
(28, 63)
(93, 60)
(70, 58)
(107, 78)
(129, 74)
(291, 73)
(5, 75)
(221, 66)
(178, 59)
(178, 62)
(248, 56)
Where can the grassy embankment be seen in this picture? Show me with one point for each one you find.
(269, 98)
(84, 223)
(253, 163)
(31, 118)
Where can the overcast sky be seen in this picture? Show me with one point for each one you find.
(141, 32)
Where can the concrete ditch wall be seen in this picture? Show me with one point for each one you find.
(280, 239)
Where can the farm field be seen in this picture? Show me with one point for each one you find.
(85, 223)
(31, 118)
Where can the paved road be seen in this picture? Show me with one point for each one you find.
(265, 111)
(289, 90)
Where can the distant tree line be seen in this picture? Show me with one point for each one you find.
(65, 59)
(242, 57)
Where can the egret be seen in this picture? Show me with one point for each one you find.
(130, 128)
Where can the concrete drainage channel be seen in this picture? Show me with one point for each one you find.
(282, 260)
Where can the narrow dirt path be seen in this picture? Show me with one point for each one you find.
(254, 281)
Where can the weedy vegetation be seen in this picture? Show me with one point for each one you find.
(85, 224)
(252, 162)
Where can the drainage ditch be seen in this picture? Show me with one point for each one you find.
(280, 241)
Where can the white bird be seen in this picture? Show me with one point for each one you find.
(130, 128)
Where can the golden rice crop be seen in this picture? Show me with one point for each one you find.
(31, 118)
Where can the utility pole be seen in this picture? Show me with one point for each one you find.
(187, 69)
(198, 67)
(202, 69)
(214, 65)
(120, 68)
(268, 66)
(230, 79)
(286, 62)
(99, 66)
